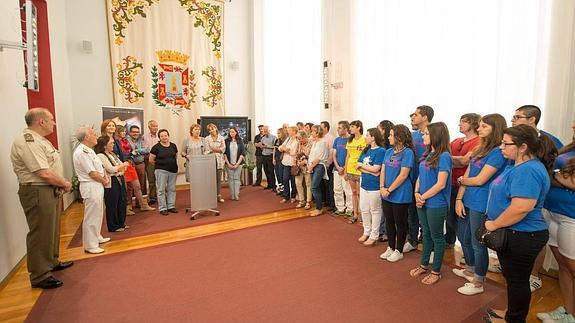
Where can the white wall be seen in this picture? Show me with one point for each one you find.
(13, 99)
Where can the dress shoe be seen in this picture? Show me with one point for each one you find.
(63, 265)
(164, 212)
(104, 240)
(94, 251)
(173, 210)
(48, 283)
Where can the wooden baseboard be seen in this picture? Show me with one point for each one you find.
(11, 274)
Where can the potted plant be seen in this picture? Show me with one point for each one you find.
(76, 188)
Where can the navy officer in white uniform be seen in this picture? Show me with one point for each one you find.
(92, 179)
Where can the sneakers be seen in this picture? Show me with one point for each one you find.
(386, 254)
(461, 273)
(407, 247)
(395, 256)
(94, 250)
(555, 314)
(494, 268)
(470, 289)
(535, 283)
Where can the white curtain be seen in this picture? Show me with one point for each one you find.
(287, 61)
(457, 56)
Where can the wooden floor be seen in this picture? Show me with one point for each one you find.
(17, 297)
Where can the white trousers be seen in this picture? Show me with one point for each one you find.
(370, 206)
(93, 195)
(341, 186)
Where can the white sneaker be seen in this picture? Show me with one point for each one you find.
(94, 250)
(568, 318)
(104, 240)
(469, 289)
(395, 256)
(386, 254)
(535, 283)
(494, 268)
(555, 314)
(431, 258)
(461, 273)
(407, 247)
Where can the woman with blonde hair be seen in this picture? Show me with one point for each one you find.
(303, 196)
(216, 145)
(289, 150)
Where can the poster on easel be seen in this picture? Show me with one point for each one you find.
(125, 116)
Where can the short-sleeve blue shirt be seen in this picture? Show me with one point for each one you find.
(558, 144)
(475, 197)
(560, 199)
(340, 150)
(527, 180)
(393, 164)
(374, 156)
(428, 177)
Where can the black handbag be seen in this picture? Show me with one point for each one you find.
(495, 240)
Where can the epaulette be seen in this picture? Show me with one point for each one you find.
(28, 137)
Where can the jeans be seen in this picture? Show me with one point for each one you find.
(166, 186)
(327, 187)
(371, 213)
(396, 221)
(475, 253)
(516, 264)
(279, 170)
(451, 224)
(316, 182)
(234, 182)
(432, 220)
(413, 224)
(289, 191)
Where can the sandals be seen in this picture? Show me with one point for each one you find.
(307, 206)
(352, 220)
(418, 271)
(431, 279)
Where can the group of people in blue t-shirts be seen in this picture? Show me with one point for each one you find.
(518, 179)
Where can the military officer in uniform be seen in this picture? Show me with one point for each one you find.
(39, 170)
(92, 179)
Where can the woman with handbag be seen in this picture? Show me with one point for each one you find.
(486, 163)
(514, 214)
(559, 210)
(432, 195)
(300, 173)
(289, 150)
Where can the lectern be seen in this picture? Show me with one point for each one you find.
(203, 193)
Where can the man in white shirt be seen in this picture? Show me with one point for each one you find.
(92, 179)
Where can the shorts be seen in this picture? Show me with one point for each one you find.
(352, 178)
(561, 233)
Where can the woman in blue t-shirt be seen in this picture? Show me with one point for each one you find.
(432, 194)
(515, 201)
(396, 190)
(486, 163)
(559, 207)
(369, 164)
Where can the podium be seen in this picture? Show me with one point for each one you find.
(203, 192)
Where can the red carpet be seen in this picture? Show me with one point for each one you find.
(305, 270)
(253, 201)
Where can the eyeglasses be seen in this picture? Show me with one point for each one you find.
(507, 143)
(518, 117)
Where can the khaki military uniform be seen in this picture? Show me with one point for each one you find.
(85, 162)
(41, 201)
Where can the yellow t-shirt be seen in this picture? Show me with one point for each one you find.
(354, 150)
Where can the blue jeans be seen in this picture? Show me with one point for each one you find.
(475, 253)
(432, 220)
(166, 187)
(316, 183)
(451, 222)
(289, 192)
(279, 168)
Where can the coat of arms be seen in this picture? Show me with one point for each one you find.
(173, 84)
